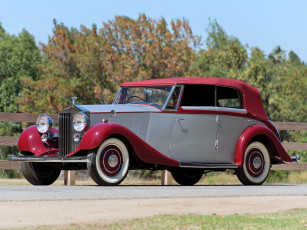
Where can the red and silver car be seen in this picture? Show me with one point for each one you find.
(188, 126)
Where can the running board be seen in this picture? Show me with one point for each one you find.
(207, 165)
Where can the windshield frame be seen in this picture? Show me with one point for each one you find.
(151, 104)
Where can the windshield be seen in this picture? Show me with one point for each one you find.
(143, 95)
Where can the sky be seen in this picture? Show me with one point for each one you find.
(259, 23)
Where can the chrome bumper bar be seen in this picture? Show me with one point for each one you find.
(72, 159)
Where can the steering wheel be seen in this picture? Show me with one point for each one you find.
(128, 100)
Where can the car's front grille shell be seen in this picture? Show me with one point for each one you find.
(66, 133)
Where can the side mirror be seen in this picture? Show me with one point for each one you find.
(112, 114)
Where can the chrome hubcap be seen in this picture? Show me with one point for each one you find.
(113, 160)
(257, 162)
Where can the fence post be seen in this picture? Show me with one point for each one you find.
(70, 177)
(166, 178)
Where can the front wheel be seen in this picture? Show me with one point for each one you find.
(39, 173)
(187, 176)
(110, 164)
(256, 165)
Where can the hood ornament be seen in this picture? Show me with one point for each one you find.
(74, 100)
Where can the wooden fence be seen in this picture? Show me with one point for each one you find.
(26, 117)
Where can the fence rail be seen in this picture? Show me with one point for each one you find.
(31, 118)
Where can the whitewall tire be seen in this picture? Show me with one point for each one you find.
(256, 165)
(110, 164)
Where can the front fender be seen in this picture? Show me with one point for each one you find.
(277, 150)
(30, 141)
(100, 132)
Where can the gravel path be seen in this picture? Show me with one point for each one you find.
(22, 206)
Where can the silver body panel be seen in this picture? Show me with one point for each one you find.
(134, 117)
(191, 138)
(124, 108)
(160, 130)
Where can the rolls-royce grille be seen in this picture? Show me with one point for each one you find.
(66, 131)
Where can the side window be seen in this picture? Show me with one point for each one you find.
(229, 98)
(198, 95)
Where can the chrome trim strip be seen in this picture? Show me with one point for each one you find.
(207, 165)
(77, 159)
(234, 110)
(210, 108)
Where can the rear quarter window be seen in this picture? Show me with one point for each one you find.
(229, 98)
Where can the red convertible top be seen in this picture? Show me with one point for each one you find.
(251, 96)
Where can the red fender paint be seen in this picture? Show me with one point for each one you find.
(256, 130)
(98, 133)
(30, 141)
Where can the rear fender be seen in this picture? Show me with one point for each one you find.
(96, 134)
(276, 150)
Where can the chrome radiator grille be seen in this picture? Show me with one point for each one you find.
(66, 134)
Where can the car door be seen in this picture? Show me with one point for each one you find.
(195, 129)
(231, 123)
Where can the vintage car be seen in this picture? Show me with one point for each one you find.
(188, 126)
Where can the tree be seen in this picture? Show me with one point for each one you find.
(294, 59)
(19, 57)
(91, 63)
(225, 56)
(282, 82)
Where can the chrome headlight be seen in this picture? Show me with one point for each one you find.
(44, 123)
(80, 121)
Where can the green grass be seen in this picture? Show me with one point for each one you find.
(292, 219)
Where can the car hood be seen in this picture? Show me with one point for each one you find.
(125, 108)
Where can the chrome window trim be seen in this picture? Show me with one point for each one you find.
(179, 97)
(200, 108)
(234, 110)
(118, 92)
(222, 109)
(169, 97)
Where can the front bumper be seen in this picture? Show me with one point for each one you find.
(71, 159)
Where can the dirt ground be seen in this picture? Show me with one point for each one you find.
(18, 214)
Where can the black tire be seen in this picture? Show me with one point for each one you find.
(39, 173)
(110, 163)
(187, 176)
(256, 165)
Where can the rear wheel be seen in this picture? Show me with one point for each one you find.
(110, 163)
(256, 165)
(39, 173)
(187, 176)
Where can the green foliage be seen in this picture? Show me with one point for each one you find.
(19, 57)
(282, 82)
(225, 56)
